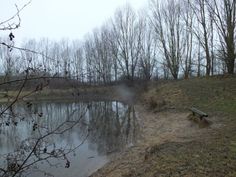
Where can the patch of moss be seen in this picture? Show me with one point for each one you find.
(226, 105)
(232, 147)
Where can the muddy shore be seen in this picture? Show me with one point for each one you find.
(157, 129)
(173, 142)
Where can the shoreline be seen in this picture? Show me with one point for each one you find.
(158, 129)
(172, 143)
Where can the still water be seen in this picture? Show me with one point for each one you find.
(79, 136)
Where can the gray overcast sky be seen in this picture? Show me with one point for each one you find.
(58, 19)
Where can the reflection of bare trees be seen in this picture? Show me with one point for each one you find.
(113, 126)
(38, 136)
(48, 132)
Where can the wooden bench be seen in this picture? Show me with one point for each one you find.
(198, 112)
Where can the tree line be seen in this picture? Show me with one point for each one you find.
(169, 39)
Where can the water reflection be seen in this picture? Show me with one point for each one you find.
(110, 126)
(113, 126)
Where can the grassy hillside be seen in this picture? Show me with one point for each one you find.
(213, 153)
(214, 95)
(175, 144)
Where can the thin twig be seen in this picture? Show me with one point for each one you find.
(17, 14)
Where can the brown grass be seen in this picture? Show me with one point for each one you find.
(176, 144)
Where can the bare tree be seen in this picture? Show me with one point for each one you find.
(29, 59)
(166, 20)
(88, 54)
(102, 55)
(114, 52)
(127, 36)
(204, 31)
(225, 19)
(57, 64)
(148, 47)
(188, 19)
(78, 60)
(65, 57)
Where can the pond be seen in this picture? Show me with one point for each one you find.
(64, 139)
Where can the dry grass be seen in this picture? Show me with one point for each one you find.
(173, 145)
(210, 94)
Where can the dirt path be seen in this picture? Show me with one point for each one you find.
(157, 129)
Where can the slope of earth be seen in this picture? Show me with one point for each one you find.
(174, 143)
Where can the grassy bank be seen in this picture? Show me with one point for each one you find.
(47, 94)
(214, 95)
(174, 144)
(213, 153)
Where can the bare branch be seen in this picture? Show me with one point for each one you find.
(13, 26)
